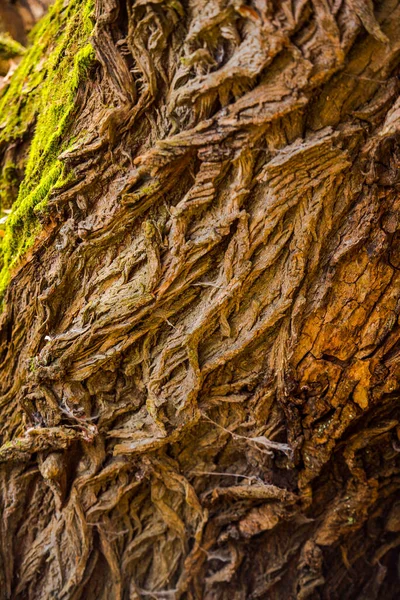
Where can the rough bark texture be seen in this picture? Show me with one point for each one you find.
(199, 376)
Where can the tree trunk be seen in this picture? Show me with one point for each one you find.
(199, 341)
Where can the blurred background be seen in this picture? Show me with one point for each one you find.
(17, 17)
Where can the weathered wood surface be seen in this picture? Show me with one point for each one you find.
(199, 370)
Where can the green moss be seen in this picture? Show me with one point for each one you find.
(8, 183)
(10, 172)
(9, 48)
(41, 94)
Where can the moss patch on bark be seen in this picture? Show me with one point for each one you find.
(41, 95)
(10, 48)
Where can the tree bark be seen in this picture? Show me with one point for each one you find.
(199, 345)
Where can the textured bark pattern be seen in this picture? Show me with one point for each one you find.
(199, 381)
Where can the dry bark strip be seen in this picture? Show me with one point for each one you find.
(199, 370)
